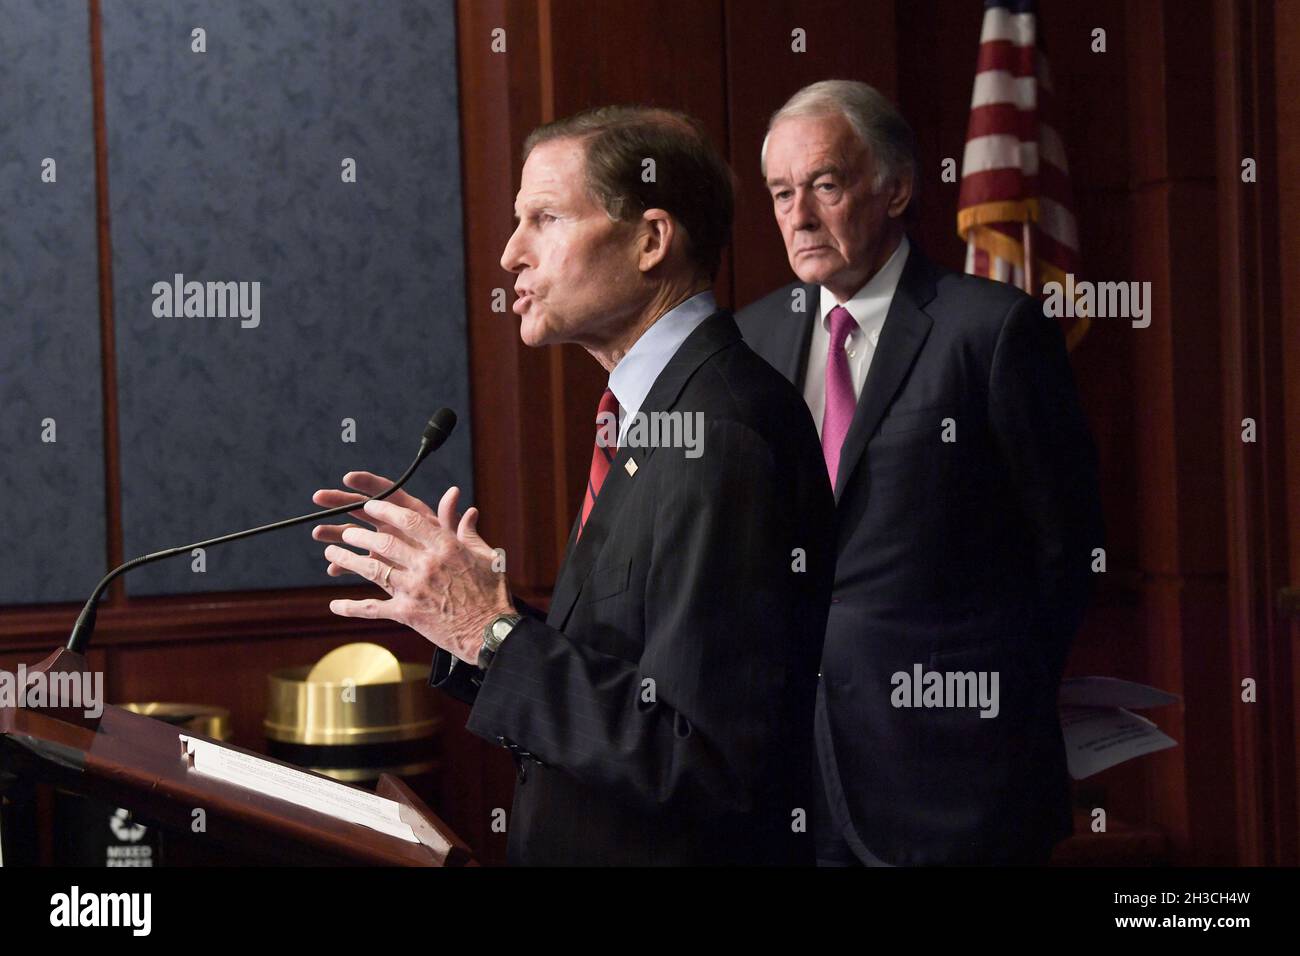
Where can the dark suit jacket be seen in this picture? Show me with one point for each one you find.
(685, 576)
(963, 556)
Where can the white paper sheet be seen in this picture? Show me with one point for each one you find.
(297, 787)
(1101, 737)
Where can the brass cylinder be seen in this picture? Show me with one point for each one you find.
(352, 731)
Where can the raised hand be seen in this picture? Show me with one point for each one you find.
(436, 567)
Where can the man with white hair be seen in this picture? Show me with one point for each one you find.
(966, 497)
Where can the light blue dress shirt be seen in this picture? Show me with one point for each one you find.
(636, 372)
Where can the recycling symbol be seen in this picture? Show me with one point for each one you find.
(122, 827)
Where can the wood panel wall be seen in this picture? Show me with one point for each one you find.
(1201, 528)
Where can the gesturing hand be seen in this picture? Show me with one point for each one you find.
(436, 567)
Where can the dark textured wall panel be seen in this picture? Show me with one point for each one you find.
(53, 502)
(225, 166)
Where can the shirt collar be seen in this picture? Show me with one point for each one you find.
(633, 376)
(870, 304)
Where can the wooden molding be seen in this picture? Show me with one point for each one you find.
(233, 615)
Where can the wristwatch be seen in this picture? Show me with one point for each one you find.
(497, 630)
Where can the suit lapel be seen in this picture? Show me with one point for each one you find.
(905, 329)
(795, 333)
(714, 333)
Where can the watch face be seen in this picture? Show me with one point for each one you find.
(500, 628)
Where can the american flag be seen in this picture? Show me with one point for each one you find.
(1015, 182)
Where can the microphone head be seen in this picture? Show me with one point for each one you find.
(439, 428)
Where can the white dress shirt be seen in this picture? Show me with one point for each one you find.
(633, 376)
(869, 307)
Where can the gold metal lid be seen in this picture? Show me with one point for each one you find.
(352, 709)
(362, 663)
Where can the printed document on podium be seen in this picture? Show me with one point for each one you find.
(297, 787)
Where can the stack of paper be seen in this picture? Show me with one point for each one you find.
(297, 787)
(1099, 727)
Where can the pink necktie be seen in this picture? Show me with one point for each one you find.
(840, 401)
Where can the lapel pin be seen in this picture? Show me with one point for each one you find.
(631, 466)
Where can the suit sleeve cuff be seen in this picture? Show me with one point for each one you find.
(454, 677)
(505, 712)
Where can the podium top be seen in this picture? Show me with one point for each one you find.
(136, 761)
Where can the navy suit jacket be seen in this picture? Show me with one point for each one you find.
(662, 712)
(966, 555)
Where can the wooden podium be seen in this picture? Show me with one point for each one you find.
(136, 762)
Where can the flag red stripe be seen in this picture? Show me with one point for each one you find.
(996, 185)
(1001, 119)
(1005, 55)
(1010, 183)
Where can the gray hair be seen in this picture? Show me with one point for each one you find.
(879, 125)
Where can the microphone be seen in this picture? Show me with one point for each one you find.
(437, 431)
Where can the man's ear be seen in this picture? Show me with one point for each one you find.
(900, 195)
(655, 237)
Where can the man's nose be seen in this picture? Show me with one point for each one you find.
(511, 257)
(803, 213)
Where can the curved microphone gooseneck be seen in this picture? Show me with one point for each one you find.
(437, 431)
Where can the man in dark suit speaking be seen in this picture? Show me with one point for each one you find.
(661, 713)
(967, 507)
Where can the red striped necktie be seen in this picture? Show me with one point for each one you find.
(602, 454)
